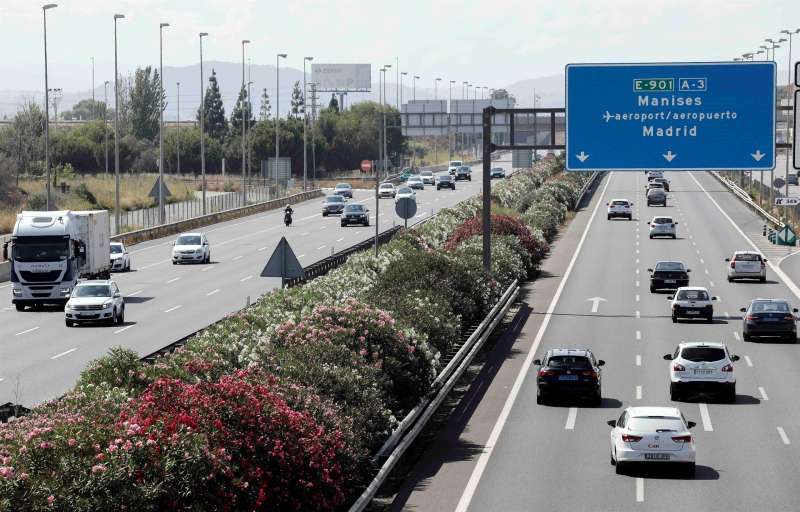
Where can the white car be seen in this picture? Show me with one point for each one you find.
(651, 175)
(386, 190)
(428, 177)
(191, 248)
(454, 165)
(704, 367)
(95, 301)
(662, 226)
(652, 434)
(620, 208)
(692, 302)
(747, 265)
(405, 192)
(120, 259)
(415, 182)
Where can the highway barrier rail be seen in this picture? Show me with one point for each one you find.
(587, 187)
(416, 420)
(745, 197)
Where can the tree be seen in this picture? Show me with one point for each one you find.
(266, 109)
(333, 104)
(25, 138)
(213, 110)
(242, 103)
(86, 110)
(145, 99)
(298, 102)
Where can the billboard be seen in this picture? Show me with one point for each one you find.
(342, 77)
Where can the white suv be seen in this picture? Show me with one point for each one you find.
(703, 366)
(386, 190)
(620, 208)
(747, 265)
(692, 302)
(95, 301)
(191, 248)
(662, 226)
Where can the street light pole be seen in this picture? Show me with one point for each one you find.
(94, 107)
(105, 124)
(414, 87)
(305, 125)
(278, 106)
(116, 127)
(202, 124)
(47, 107)
(244, 188)
(436, 88)
(449, 113)
(404, 73)
(178, 141)
(161, 213)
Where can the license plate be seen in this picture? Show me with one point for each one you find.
(567, 377)
(656, 456)
(670, 281)
(770, 319)
(703, 372)
(692, 312)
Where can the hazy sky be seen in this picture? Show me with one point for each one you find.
(492, 43)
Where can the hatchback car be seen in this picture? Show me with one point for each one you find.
(415, 182)
(747, 265)
(656, 196)
(692, 302)
(344, 190)
(620, 208)
(95, 301)
(651, 175)
(428, 177)
(386, 190)
(662, 226)
(333, 205)
(572, 372)
(668, 275)
(405, 192)
(652, 434)
(664, 182)
(191, 248)
(497, 172)
(355, 214)
(769, 317)
(702, 367)
(463, 173)
(445, 181)
(120, 259)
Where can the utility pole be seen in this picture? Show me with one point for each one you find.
(202, 123)
(116, 127)
(105, 124)
(305, 125)
(244, 188)
(161, 213)
(179, 130)
(94, 106)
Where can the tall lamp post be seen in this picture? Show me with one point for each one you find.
(94, 105)
(45, 8)
(436, 88)
(278, 58)
(202, 124)
(105, 124)
(305, 125)
(772, 171)
(178, 138)
(161, 213)
(116, 127)
(449, 123)
(244, 188)
(414, 87)
(404, 73)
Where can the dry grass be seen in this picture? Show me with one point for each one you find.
(7, 220)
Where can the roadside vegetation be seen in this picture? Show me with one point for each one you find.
(280, 406)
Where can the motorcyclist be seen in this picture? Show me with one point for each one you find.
(287, 214)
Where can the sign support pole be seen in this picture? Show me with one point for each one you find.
(487, 188)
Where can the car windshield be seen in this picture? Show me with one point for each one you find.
(700, 354)
(188, 240)
(343, 185)
(669, 265)
(748, 257)
(619, 203)
(497, 169)
(92, 290)
(455, 163)
(116, 249)
(569, 362)
(662, 220)
(650, 424)
(770, 307)
(427, 173)
(404, 190)
(444, 178)
(692, 295)
(354, 208)
(463, 168)
(655, 185)
(335, 199)
(387, 185)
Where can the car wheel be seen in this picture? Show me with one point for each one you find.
(67, 323)
(174, 262)
(674, 319)
(730, 279)
(674, 237)
(597, 399)
(113, 319)
(691, 469)
(630, 217)
(652, 289)
(121, 319)
(746, 337)
(651, 237)
(366, 224)
(710, 319)
(609, 217)
(674, 392)
(730, 395)
(343, 224)
(620, 467)
(611, 459)
(19, 307)
(540, 399)
(324, 214)
(762, 279)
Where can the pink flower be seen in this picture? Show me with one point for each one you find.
(6, 472)
(72, 442)
(23, 476)
(99, 468)
(51, 499)
(45, 445)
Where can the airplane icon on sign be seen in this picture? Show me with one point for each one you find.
(607, 116)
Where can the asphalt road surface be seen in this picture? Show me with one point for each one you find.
(40, 358)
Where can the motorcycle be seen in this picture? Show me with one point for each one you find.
(287, 219)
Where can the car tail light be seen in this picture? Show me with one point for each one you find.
(678, 368)
(789, 317)
(682, 439)
(727, 368)
(733, 264)
(546, 373)
(627, 438)
(590, 373)
(751, 317)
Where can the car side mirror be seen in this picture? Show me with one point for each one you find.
(117, 295)
(688, 270)
(366, 210)
(690, 424)
(601, 363)
(668, 357)
(734, 358)
(631, 204)
(537, 362)
(608, 204)
(743, 310)
(612, 423)
(794, 310)
(670, 297)
(674, 223)
(728, 260)
(649, 269)
(714, 298)
(765, 259)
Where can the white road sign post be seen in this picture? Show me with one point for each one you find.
(787, 201)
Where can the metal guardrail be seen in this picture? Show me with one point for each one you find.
(410, 427)
(586, 188)
(745, 197)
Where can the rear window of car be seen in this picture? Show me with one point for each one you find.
(669, 265)
(444, 178)
(700, 354)
(354, 208)
(569, 362)
(770, 307)
(692, 295)
(747, 257)
(189, 240)
(647, 424)
(662, 220)
(335, 199)
(404, 190)
(343, 185)
(387, 185)
(619, 203)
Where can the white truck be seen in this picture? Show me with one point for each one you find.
(453, 167)
(50, 251)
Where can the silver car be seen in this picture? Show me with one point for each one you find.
(656, 195)
(662, 226)
(95, 301)
(747, 265)
(415, 182)
(428, 177)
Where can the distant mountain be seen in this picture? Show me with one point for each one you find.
(550, 90)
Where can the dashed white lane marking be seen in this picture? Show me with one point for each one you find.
(748, 361)
(702, 260)
(357, 232)
(236, 258)
(132, 294)
(300, 256)
(637, 260)
(698, 252)
(62, 354)
(707, 426)
(304, 234)
(638, 392)
(783, 435)
(637, 271)
(153, 264)
(173, 280)
(763, 393)
(2, 379)
(637, 251)
(706, 271)
(339, 239)
(5, 286)
(26, 331)
(320, 247)
(262, 249)
(638, 335)
(637, 283)
(711, 283)
(693, 242)
(573, 413)
(638, 314)
(173, 308)
(639, 490)
(637, 298)
(637, 242)
(245, 279)
(123, 329)
(213, 292)
(736, 335)
(638, 360)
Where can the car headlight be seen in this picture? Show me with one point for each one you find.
(65, 291)
(17, 291)
(68, 306)
(198, 250)
(107, 304)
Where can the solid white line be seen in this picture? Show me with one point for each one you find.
(172, 309)
(320, 247)
(706, 418)
(213, 292)
(262, 249)
(64, 353)
(300, 256)
(638, 392)
(245, 278)
(638, 335)
(763, 393)
(123, 329)
(573, 413)
(783, 435)
(639, 490)
(638, 360)
(736, 335)
(173, 280)
(522, 376)
(237, 258)
(339, 239)
(748, 361)
(26, 331)
(137, 292)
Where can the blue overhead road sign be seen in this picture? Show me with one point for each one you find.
(682, 116)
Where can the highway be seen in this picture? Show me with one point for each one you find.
(40, 358)
(510, 454)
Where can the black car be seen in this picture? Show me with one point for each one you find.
(333, 204)
(769, 317)
(445, 181)
(669, 275)
(355, 214)
(566, 371)
(463, 173)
